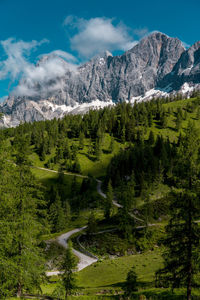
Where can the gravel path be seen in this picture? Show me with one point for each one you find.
(84, 260)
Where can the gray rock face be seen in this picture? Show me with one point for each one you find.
(186, 70)
(156, 62)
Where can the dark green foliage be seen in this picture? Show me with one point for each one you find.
(182, 242)
(81, 140)
(21, 262)
(68, 276)
(126, 224)
(92, 224)
(108, 201)
(131, 284)
(181, 259)
(57, 216)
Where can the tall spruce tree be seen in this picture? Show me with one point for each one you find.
(181, 258)
(21, 262)
(108, 201)
(69, 266)
(182, 243)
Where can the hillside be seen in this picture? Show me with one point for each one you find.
(157, 66)
(142, 154)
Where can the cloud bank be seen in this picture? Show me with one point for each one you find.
(97, 35)
(17, 53)
(88, 37)
(34, 79)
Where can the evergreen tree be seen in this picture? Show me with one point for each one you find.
(150, 119)
(21, 261)
(98, 149)
(178, 122)
(151, 139)
(57, 216)
(90, 147)
(77, 166)
(108, 201)
(123, 135)
(163, 120)
(183, 236)
(81, 140)
(111, 146)
(182, 243)
(131, 284)
(68, 278)
(92, 224)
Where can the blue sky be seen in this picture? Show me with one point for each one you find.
(32, 28)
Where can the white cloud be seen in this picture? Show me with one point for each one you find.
(65, 55)
(141, 32)
(17, 53)
(45, 77)
(97, 35)
(34, 79)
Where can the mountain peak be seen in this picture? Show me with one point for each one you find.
(157, 61)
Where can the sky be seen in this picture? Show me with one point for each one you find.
(78, 30)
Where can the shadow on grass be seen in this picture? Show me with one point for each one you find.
(172, 128)
(90, 157)
(158, 294)
(106, 151)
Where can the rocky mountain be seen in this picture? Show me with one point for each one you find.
(156, 66)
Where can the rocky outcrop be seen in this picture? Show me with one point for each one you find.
(157, 63)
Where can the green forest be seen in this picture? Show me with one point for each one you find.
(127, 177)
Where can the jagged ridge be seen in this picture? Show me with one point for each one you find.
(156, 62)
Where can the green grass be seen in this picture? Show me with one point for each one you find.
(89, 164)
(170, 130)
(104, 279)
(49, 178)
(108, 276)
(113, 272)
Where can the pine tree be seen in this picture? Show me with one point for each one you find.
(178, 122)
(183, 235)
(163, 120)
(108, 201)
(98, 149)
(131, 284)
(81, 140)
(90, 147)
(151, 139)
(57, 216)
(182, 243)
(68, 277)
(77, 166)
(92, 224)
(111, 146)
(150, 119)
(21, 261)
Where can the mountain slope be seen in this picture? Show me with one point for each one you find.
(157, 63)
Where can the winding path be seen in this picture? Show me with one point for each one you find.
(84, 260)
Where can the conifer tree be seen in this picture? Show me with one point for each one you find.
(108, 201)
(21, 262)
(81, 140)
(182, 243)
(68, 279)
(69, 266)
(111, 146)
(151, 139)
(183, 235)
(131, 284)
(92, 224)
